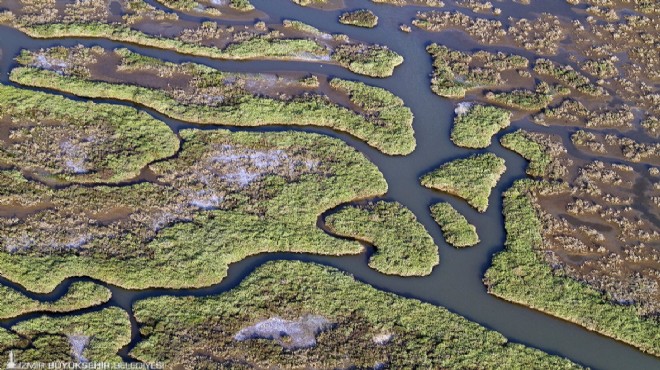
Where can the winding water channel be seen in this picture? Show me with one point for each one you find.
(456, 283)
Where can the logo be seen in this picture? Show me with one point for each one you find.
(11, 364)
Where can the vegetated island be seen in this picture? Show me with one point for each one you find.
(456, 229)
(89, 337)
(200, 94)
(315, 316)
(470, 178)
(403, 246)
(224, 197)
(60, 139)
(360, 18)
(78, 296)
(136, 20)
(475, 124)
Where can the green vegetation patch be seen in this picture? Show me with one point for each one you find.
(209, 39)
(77, 141)
(79, 295)
(91, 337)
(370, 60)
(383, 121)
(455, 227)
(539, 150)
(456, 72)
(475, 127)
(526, 100)
(368, 327)
(361, 18)
(225, 197)
(519, 274)
(470, 178)
(568, 76)
(403, 246)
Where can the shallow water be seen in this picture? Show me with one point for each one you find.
(456, 283)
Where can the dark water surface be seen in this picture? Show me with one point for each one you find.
(456, 283)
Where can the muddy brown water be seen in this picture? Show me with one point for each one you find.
(456, 283)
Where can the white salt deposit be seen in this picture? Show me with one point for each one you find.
(299, 333)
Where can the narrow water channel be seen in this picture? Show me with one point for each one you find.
(456, 283)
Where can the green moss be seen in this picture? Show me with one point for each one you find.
(81, 142)
(370, 327)
(361, 18)
(519, 274)
(385, 122)
(476, 127)
(403, 246)
(253, 210)
(48, 338)
(455, 227)
(471, 178)
(80, 295)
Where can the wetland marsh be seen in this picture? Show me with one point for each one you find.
(274, 187)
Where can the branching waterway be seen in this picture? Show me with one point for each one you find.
(456, 283)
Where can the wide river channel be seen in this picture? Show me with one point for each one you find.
(456, 283)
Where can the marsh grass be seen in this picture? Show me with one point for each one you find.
(470, 178)
(456, 229)
(48, 339)
(520, 274)
(79, 295)
(80, 142)
(384, 122)
(361, 18)
(268, 190)
(370, 327)
(476, 127)
(403, 246)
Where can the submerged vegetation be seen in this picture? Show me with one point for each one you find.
(209, 96)
(455, 227)
(226, 196)
(470, 178)
(79, 295)
(346, 324)
(403, 246)
(475, 125)
(76, 141)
